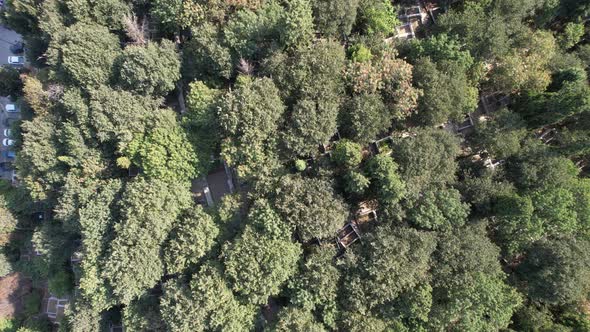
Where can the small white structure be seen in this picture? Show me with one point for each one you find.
(411, 17)
(56, 308)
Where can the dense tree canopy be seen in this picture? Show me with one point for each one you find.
(393, 261)
(190, 240)
(151, 69)
(149, 209)
(291, 165)
(84, 54)
(556, 271)
(250, 116)
(427, 159)
(263, 257)
(209, 297)
(164, 152)
(311, 207)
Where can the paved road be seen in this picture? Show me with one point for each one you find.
(3, 125)
(7, 38)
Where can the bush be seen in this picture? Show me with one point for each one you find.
(7, 325)
(347, 153)
(300, 165)
(360, 53)
(572, 35)
(5, 265)
(60, 283)
(36, 324)
(32, 302)
(356, 182)
(378, 17)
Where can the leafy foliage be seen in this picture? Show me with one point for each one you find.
(311, 207)
(150, 70)
(386, 181)
(347, 154)
(377, 17)
(439, 209)
(249, 116)
(11, 84)
(190, 240)
(84, 54)
(556, 271)
(149, 209)
(448, 93)
(467, 268)
(209, 298)
(164, 152)
(296, 319)
(263, 257)
(316, 287)
(335, 17)
(386, 275)
(427, 159)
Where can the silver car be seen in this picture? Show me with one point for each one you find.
(11, 108)
(16, 60)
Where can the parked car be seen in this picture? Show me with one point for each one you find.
(8, 154)
(8, 142)
(16, 60)
(11, 108)
(8, 132)
(17, 47)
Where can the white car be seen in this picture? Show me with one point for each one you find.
(7, 132)
(16, 60)
(11, 108)
(7, 142)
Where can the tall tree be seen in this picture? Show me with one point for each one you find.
(314, 80)
(152, 69)
(502, 135)
(311, 207)
(84, 54)
(190, 240)
(556, 271)
(427, 159)
(365, 117)
(116, 116)
(163, 151)
(296, 319)
(315, 288)
(263, 257)
(448, 92)
(393, 261)
(386, 182)
(377, 17)
(335, 18)
(38, 163)
(438, 209)
(10, 82)
(249, 116)
(469, 292)
(206, 304)
(148, 211)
